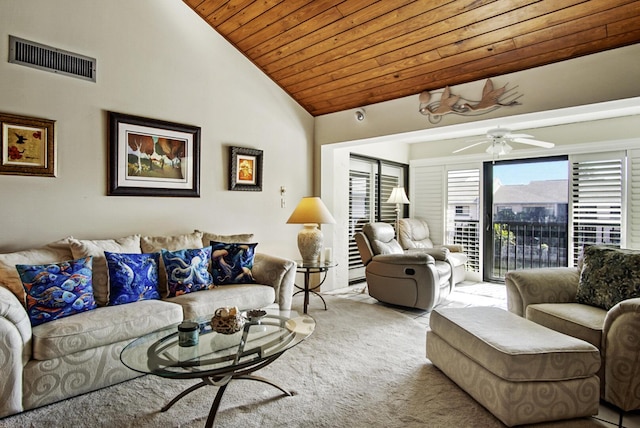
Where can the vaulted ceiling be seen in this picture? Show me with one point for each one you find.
(334, 55)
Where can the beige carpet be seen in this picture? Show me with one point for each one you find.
(364, 366)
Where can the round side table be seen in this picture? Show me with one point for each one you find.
(308, 269)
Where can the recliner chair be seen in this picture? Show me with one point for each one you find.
(413, 234)
(411, 279)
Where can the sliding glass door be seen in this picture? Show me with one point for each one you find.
(526, 215)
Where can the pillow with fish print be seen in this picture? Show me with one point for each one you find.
(232, 263)
(187, 270)
(132, 277)
(57, 290)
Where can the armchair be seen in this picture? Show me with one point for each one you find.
(413, 279)
(413, 234)
(550, 297)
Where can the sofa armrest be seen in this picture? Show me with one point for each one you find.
(454, 248)
(15, 351)
(548, 285)
(621, 351)
(410, 258)
(277, 272)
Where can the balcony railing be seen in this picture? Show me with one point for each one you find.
(522, 245)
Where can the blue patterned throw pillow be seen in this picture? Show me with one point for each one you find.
(132, 277)
(232, 263)
(187, 270)
(57, 290)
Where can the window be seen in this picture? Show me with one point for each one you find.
(370, 184)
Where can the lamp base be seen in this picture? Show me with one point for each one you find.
(310, 243)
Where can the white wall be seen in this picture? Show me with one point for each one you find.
(156, 59)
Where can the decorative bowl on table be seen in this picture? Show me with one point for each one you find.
(255, 315)
(227, 320)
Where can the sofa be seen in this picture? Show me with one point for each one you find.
(415, 279)
(598, 302)
(414, 235)
(45, 358)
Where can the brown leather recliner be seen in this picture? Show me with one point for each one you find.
(412, 279)
(413, 235)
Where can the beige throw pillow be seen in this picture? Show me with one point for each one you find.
(241, 238)
(153, 244)
(54, 252)
(96, 248)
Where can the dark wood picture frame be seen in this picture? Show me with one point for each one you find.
(149, 157)
(245, 169)
(27, 146)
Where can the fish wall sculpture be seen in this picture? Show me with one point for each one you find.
(435, 107)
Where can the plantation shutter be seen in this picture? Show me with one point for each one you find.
(388, 211)
(597, 189)
(360, 209)
(633, 201)
(427, 198)
(463, 213)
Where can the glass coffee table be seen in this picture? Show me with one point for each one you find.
(217, 359)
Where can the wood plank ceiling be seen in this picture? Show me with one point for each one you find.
(334, 55)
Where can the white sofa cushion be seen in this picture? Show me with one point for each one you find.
(205, 302)
(102, 326)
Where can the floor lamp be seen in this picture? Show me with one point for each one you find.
(398, 197)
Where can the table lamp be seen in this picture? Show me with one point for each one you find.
(311, 212)
(398, 197)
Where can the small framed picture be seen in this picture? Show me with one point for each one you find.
(27, 146)
(150, 157)
(245, 171)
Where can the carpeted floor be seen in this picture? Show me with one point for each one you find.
(364, 366)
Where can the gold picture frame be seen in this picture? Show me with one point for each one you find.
(27, 146)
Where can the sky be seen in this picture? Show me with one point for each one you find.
(526, 172)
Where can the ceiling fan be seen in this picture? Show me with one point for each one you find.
(499, 139)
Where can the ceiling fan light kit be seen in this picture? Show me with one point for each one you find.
(498, 139)
(499, 149)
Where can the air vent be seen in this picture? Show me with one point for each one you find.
(42, 57)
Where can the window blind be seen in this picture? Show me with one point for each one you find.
(463, 213)
(596, 198)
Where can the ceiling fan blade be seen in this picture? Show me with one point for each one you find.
(538, 143)
(471, 145)
(512, 136)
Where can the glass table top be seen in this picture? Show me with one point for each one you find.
(315, 265)
(216, 354)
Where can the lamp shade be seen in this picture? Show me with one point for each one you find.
(311, 210)
(398, 196)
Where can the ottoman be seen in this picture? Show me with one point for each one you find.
(520, 371)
